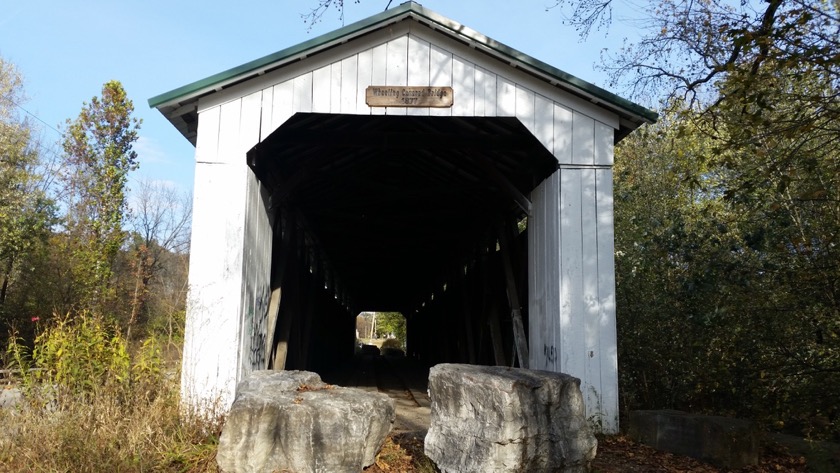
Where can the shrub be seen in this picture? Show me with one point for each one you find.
(116, 409)
(392, 343)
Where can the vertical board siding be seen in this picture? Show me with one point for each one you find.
(256, 290)
(544, 276)
(302, 95)
(364, 79)
(207, 139)
(570, 250)
(606, 296)
(572, 286)
(536, 292)
(379, 74)
(335, 88)
(482, 79)
(266, 112)
(211, 333)
(321, 82)
(283, 107)
(604, 136)
(349, 76)
(590, 316)
(525, 107)
(440, 75)
(544, 122)
(505, 98)
(397, 68)
(463, 81)
(562, 134)
(229, 131)
(583, 139)
(249, 124)
(552, 277)
(419, 56)
(254, 287)
(571, 274)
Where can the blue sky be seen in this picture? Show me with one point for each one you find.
(66, 50)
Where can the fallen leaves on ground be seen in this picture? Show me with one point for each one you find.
(616, 454)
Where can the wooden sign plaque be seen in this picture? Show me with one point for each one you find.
(408, 96)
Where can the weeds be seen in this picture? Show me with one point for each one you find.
(91, 405)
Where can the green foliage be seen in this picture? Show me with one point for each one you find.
(391, 323)
(83, 356)
(727, 216)
(26, 212)
(98, 156)
(727, 270)
(96, 405)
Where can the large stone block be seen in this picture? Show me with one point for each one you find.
(292, 421)
(721, 441)
(496, 419)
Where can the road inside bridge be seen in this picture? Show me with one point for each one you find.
(405, 381)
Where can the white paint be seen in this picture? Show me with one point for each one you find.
(571, 282)
(583, 139)
(606, 301)
(440, 74)
(211, 342)
(572, 286)
(321, 82)
(463, 77)
(590, 313)
(396, 72)
(349, 76)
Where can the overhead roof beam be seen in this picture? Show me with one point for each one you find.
(519, 198)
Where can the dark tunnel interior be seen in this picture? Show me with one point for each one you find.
(414, 214)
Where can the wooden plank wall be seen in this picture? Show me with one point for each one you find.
(572, 286)
(571, 278)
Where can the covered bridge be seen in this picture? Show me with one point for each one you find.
(402, 163)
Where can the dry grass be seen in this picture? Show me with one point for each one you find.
(99, 433)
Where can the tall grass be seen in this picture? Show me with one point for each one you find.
(93, 405)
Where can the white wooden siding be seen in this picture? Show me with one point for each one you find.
(256, 274)
(571, 276)
(606, 299)
(440, 74)
(412, 58)
(572, 285)
(419, 55)
(209, 371)
(463, 80)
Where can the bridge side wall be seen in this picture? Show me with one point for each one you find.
(572, 291)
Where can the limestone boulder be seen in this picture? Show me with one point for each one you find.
(497, 419)
(292, 421)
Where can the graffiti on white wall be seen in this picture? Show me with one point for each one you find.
(258, 323)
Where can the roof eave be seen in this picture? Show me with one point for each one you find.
(181, 97)
(218, 81)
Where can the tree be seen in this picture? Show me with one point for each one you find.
(390, 324)
(26, 212)
(98, 156)
(159, 229)
(757, 267)
(321, 7)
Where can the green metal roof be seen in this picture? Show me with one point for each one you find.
(408, 9)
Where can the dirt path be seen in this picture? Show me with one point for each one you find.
(400, 378)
